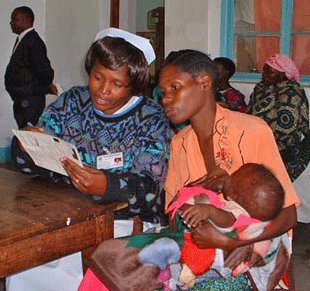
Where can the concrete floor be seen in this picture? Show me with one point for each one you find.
(301, 254)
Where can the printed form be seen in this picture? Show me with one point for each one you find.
(46, 150)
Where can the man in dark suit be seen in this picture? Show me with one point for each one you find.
(29, 75)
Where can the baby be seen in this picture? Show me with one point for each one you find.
(252, 190)
(252, 196)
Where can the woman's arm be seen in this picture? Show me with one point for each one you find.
(205, 235)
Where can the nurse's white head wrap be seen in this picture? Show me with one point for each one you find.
(139, 42)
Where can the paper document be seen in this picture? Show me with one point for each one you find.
(46, 150)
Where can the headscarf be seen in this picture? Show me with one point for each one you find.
(284, 64)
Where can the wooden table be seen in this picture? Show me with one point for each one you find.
(41, 221)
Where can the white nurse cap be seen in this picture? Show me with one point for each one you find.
(139, 42)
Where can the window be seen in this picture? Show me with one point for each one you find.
(252, 30)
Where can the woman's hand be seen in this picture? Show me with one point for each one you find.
(213, 181)
(87, 180)
(241, 259)
(238, 260)
(207, 236)
(33, 129)
(52, 89)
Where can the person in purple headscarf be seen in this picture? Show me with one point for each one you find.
(282, 102)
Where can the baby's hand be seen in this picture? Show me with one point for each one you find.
(194, 214)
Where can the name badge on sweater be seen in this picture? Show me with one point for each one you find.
(110, 161)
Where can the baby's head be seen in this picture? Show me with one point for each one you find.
(257, 190)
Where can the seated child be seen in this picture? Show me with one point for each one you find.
(228, 96)
(252, 197)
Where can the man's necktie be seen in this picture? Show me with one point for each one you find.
(15, 44)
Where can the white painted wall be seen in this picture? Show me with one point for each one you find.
(214, 26)
(71, 26)
(128, 19)
(186, 25)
